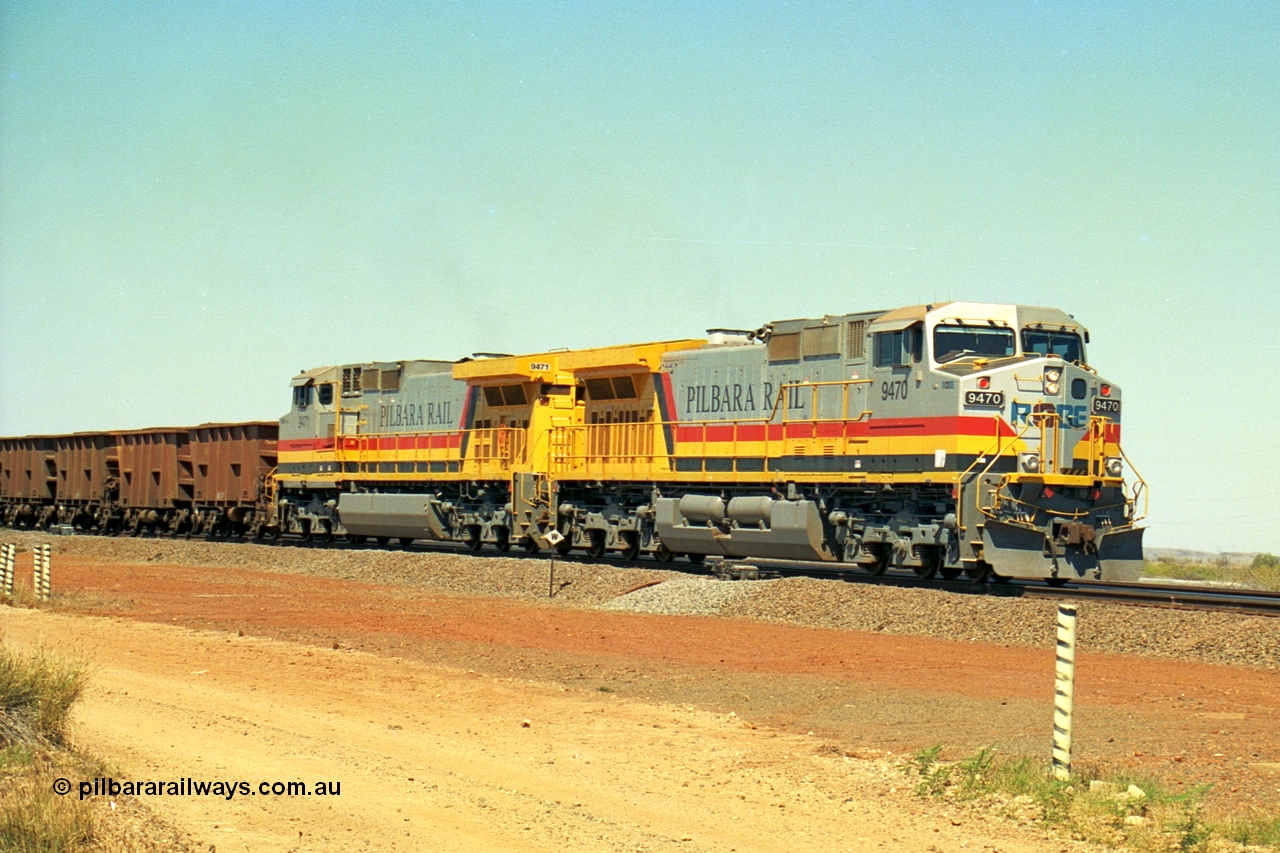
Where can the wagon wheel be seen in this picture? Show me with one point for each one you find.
(949, 574)
(663, 554)
(502, 539)
(596, 546)
(406, 541)
(882, 556)
(631, 543)
(930, 562)
(696, 559)
(383, 541)
(356, 539)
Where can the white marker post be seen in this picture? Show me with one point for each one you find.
(47, 583)
(40, 581)
(1065, 692)
(8, 559)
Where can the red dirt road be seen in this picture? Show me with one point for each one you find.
(1189, 724)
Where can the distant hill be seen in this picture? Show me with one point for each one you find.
(1233, 557)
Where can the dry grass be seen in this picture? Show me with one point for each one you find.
(1262, 573)
(36, 695)
(37, 692)
(34, 818)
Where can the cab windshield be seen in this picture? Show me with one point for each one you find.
(951, 343)
(1063, 344)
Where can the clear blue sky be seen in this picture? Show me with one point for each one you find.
(198, 199)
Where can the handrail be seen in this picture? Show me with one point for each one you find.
(815, 386)
(996, 445)
(1097, 451)
(1139, 488)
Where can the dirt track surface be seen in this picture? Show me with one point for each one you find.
(429, 758)
(695, 728)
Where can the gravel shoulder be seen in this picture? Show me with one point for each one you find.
(1217, 638)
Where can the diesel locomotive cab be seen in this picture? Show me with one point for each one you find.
(1050, 489)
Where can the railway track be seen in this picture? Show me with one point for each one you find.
(1173, 596)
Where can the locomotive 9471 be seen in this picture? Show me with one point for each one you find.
(943, 439)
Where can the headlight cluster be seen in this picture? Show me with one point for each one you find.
(1052, 380)
(1114, 466)
(1030, 462)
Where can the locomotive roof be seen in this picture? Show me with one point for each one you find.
(645, 355)
(331, 373)
(900, 318)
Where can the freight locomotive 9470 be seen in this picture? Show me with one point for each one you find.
(944, 439)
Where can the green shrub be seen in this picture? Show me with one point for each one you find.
(1113, 810)
(1262, 573)
(1258, 830)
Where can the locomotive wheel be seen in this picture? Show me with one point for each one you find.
(882, 556)
(631, 540)
(1056, 581)
(978, 573)
(663, 554)
(473, 538)
(565, 546)
(949, 574)
(529, 545)
(502, 539)
(597, 545)
(930, 563)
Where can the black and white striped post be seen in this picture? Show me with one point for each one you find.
(43, 569)
(8, 559)
(1065, 691)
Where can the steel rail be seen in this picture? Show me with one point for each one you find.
(1159, 595)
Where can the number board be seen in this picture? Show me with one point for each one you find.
(992, 399)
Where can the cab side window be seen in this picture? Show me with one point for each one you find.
(326, 395)
(898, 349)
